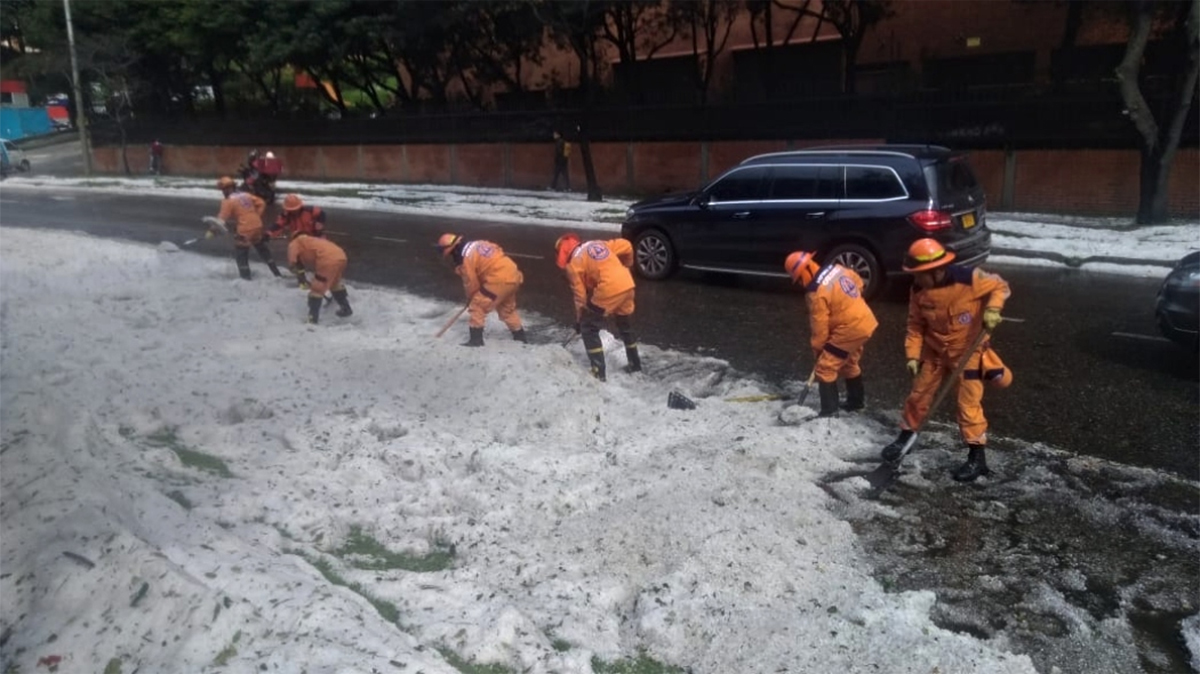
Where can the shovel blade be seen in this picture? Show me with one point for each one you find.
(189, 242)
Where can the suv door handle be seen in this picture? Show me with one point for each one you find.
(815, 214)
(742, 215)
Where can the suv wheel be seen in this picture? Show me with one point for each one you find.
(653, 255)
(863, 262)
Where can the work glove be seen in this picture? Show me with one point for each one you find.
(302, 282)
(914, 367)
(991, 318)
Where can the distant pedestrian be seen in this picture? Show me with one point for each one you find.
(156, 157)
(562, 155)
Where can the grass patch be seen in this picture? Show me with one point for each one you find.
(642, 663)
(113, 666)
(386, 609)
(228, 652)
(464, 666)
(166, 438)
(179, 498)
(363, 552)
(560, 645)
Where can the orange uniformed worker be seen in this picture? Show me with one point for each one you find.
(247, 210)
(490, 280)
(947, 308)
(598, 272)
(841, 323)
(327, 261)
(298, 218)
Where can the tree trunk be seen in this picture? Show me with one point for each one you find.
(1152, 197)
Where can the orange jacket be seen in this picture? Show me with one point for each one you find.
(837, 312)
(485, 263)
(942, 321)
(247, 209)
(599, 273)
(314, 253)
(305, 220)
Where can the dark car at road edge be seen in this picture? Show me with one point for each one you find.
(859, 206)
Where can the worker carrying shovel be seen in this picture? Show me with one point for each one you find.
(327, 261)
(948, 307)
(490, 280)
(840, 322)
(602, 285)
(246, 209)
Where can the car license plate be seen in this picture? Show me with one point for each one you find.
(968, 221)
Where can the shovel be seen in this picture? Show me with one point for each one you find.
(882, 477)
(808, 386)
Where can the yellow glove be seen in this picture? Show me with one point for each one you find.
(991, 318)
(914, 367)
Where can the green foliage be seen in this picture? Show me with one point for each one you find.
(365, 553)
(166, 438)
(386, 609)
(463, 666)
(642, 663)
(113, 666)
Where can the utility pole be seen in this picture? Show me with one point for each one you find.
(80, 107)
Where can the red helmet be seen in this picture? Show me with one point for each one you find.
(926, 254)
(565, 246)
(292, 203)
(447, 242)
(802, 267)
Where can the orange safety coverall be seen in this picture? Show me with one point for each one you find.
(305, 220)
(490, 280)
(326, 259)
(942, 323)
(599, 275)
(247, 209)
(840, 320)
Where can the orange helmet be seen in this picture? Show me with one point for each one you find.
(801, 266)
(926, 254)
(292, 203)
(565, 246)
(447, 242)
(226, 183)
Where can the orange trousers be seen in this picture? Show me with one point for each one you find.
(971, 422)
(841, 359)
(500, 297)
(327, 277)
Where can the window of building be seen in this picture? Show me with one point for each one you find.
(981, 71)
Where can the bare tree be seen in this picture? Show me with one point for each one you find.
(762, 15)
(852, 19)
(1159, 142)
(707, 23)
(637, 27)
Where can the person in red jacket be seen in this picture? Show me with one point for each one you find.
(947, 308)
(246, 209)
(327, 261)
(602, 285)
(298, 218)
(490, 280)
(841, 323)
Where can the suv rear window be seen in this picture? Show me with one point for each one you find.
(951, 177)
(804, 182)
(873, 182)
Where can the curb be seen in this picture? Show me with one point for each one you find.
(1071, 261)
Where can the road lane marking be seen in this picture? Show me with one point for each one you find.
(526, 255)
(1137, 336)
(398, 241)
(340, 234)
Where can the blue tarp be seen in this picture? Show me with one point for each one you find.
(16, 123)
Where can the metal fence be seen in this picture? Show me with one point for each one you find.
(1002, 118)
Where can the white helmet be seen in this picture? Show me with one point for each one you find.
(270, 155)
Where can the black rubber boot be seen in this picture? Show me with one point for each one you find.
(519, 336)
(242, 256)
(975, 466)
(476, 339)
(829, 398)
(892, 452)
(343, 301)
(596, 360)
(634, 360)
(274, 269)
(314, 309)
(854, 394)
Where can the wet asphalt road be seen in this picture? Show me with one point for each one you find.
(1091, 374)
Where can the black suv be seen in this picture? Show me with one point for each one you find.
(860, 206)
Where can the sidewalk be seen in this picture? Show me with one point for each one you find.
(1095, 244)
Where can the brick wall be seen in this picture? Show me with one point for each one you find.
(1084, 182)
